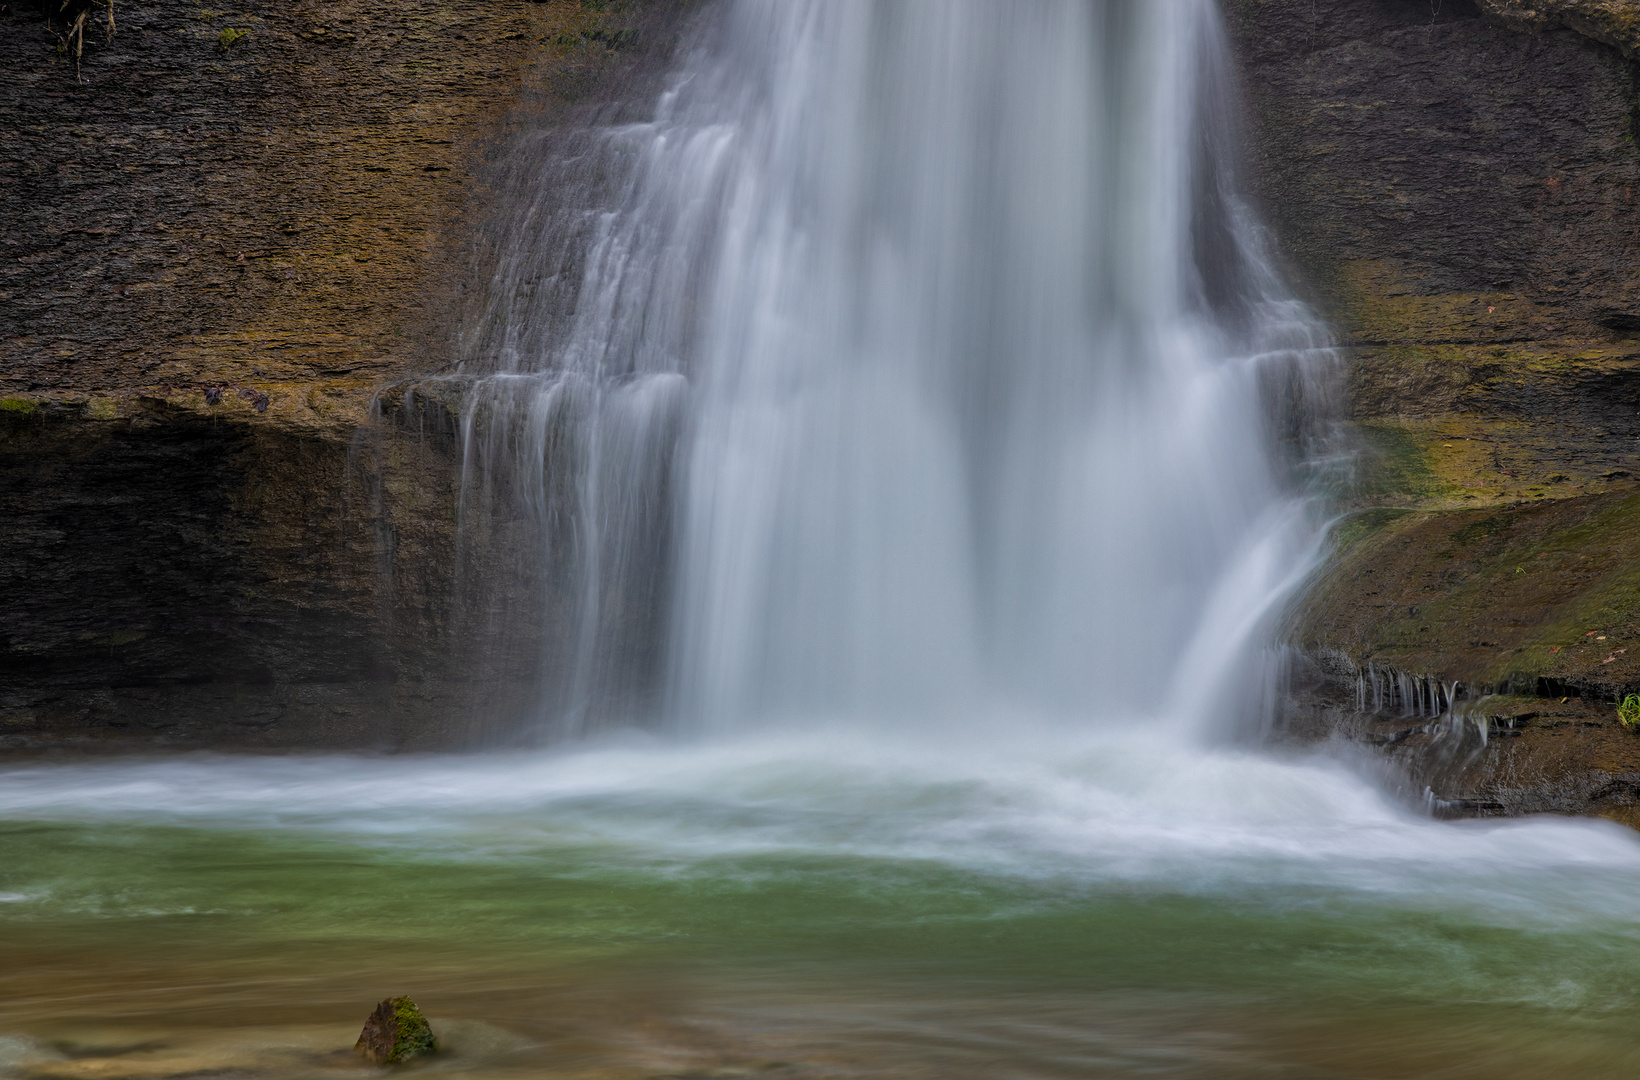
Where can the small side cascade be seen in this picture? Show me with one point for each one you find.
(1437, 735)
(1455, 724)
(1380, 690)
(1448, 709)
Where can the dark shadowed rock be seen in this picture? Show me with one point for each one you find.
(1614, 22)
(211, 257)
(396, 1031)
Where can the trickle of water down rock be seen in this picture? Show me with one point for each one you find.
(908, 360)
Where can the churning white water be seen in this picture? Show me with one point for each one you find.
(915, 358)
(1086, 811)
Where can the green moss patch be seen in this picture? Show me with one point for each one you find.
(1393, 466)
(1362, 524)
(1534, 596)
(396, 1031)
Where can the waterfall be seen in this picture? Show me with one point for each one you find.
(909, 360)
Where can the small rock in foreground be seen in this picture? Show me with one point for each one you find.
(396, 1031)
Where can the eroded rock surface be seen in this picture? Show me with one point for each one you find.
(226, 228)
(1458, 184)
(1614, 22)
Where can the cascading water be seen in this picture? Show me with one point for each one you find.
(918, 356)
(912, 363)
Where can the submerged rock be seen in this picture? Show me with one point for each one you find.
(396, 1031)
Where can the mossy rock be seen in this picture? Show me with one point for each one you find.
(395, 1032)
(1543, 595)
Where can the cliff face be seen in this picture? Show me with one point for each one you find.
(225, 230)
(191, 212)
(1458, 183)
(230, 228)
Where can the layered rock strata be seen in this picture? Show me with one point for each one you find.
(226, 229)
(1460, 186)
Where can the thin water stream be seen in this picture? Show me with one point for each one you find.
(922, 447)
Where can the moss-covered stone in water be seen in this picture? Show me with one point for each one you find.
(396, 1031)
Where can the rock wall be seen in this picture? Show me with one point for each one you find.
(225, 231)
(229, 229)
(1614, 22)
(1459, 185)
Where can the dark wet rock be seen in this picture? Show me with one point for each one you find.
(179, 579)
(395, 1032)
(210, 533)
(1614, 22)
(1483, 652)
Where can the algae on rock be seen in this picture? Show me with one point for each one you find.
(397, 1031)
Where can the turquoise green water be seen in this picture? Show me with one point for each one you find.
(828, 908)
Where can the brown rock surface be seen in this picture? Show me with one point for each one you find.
(1615, 22)
(216, 248)
(1462, 198)
(293, 209)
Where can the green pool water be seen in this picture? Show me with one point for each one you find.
(803, 908)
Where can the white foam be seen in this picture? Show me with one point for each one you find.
(1097, 810)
